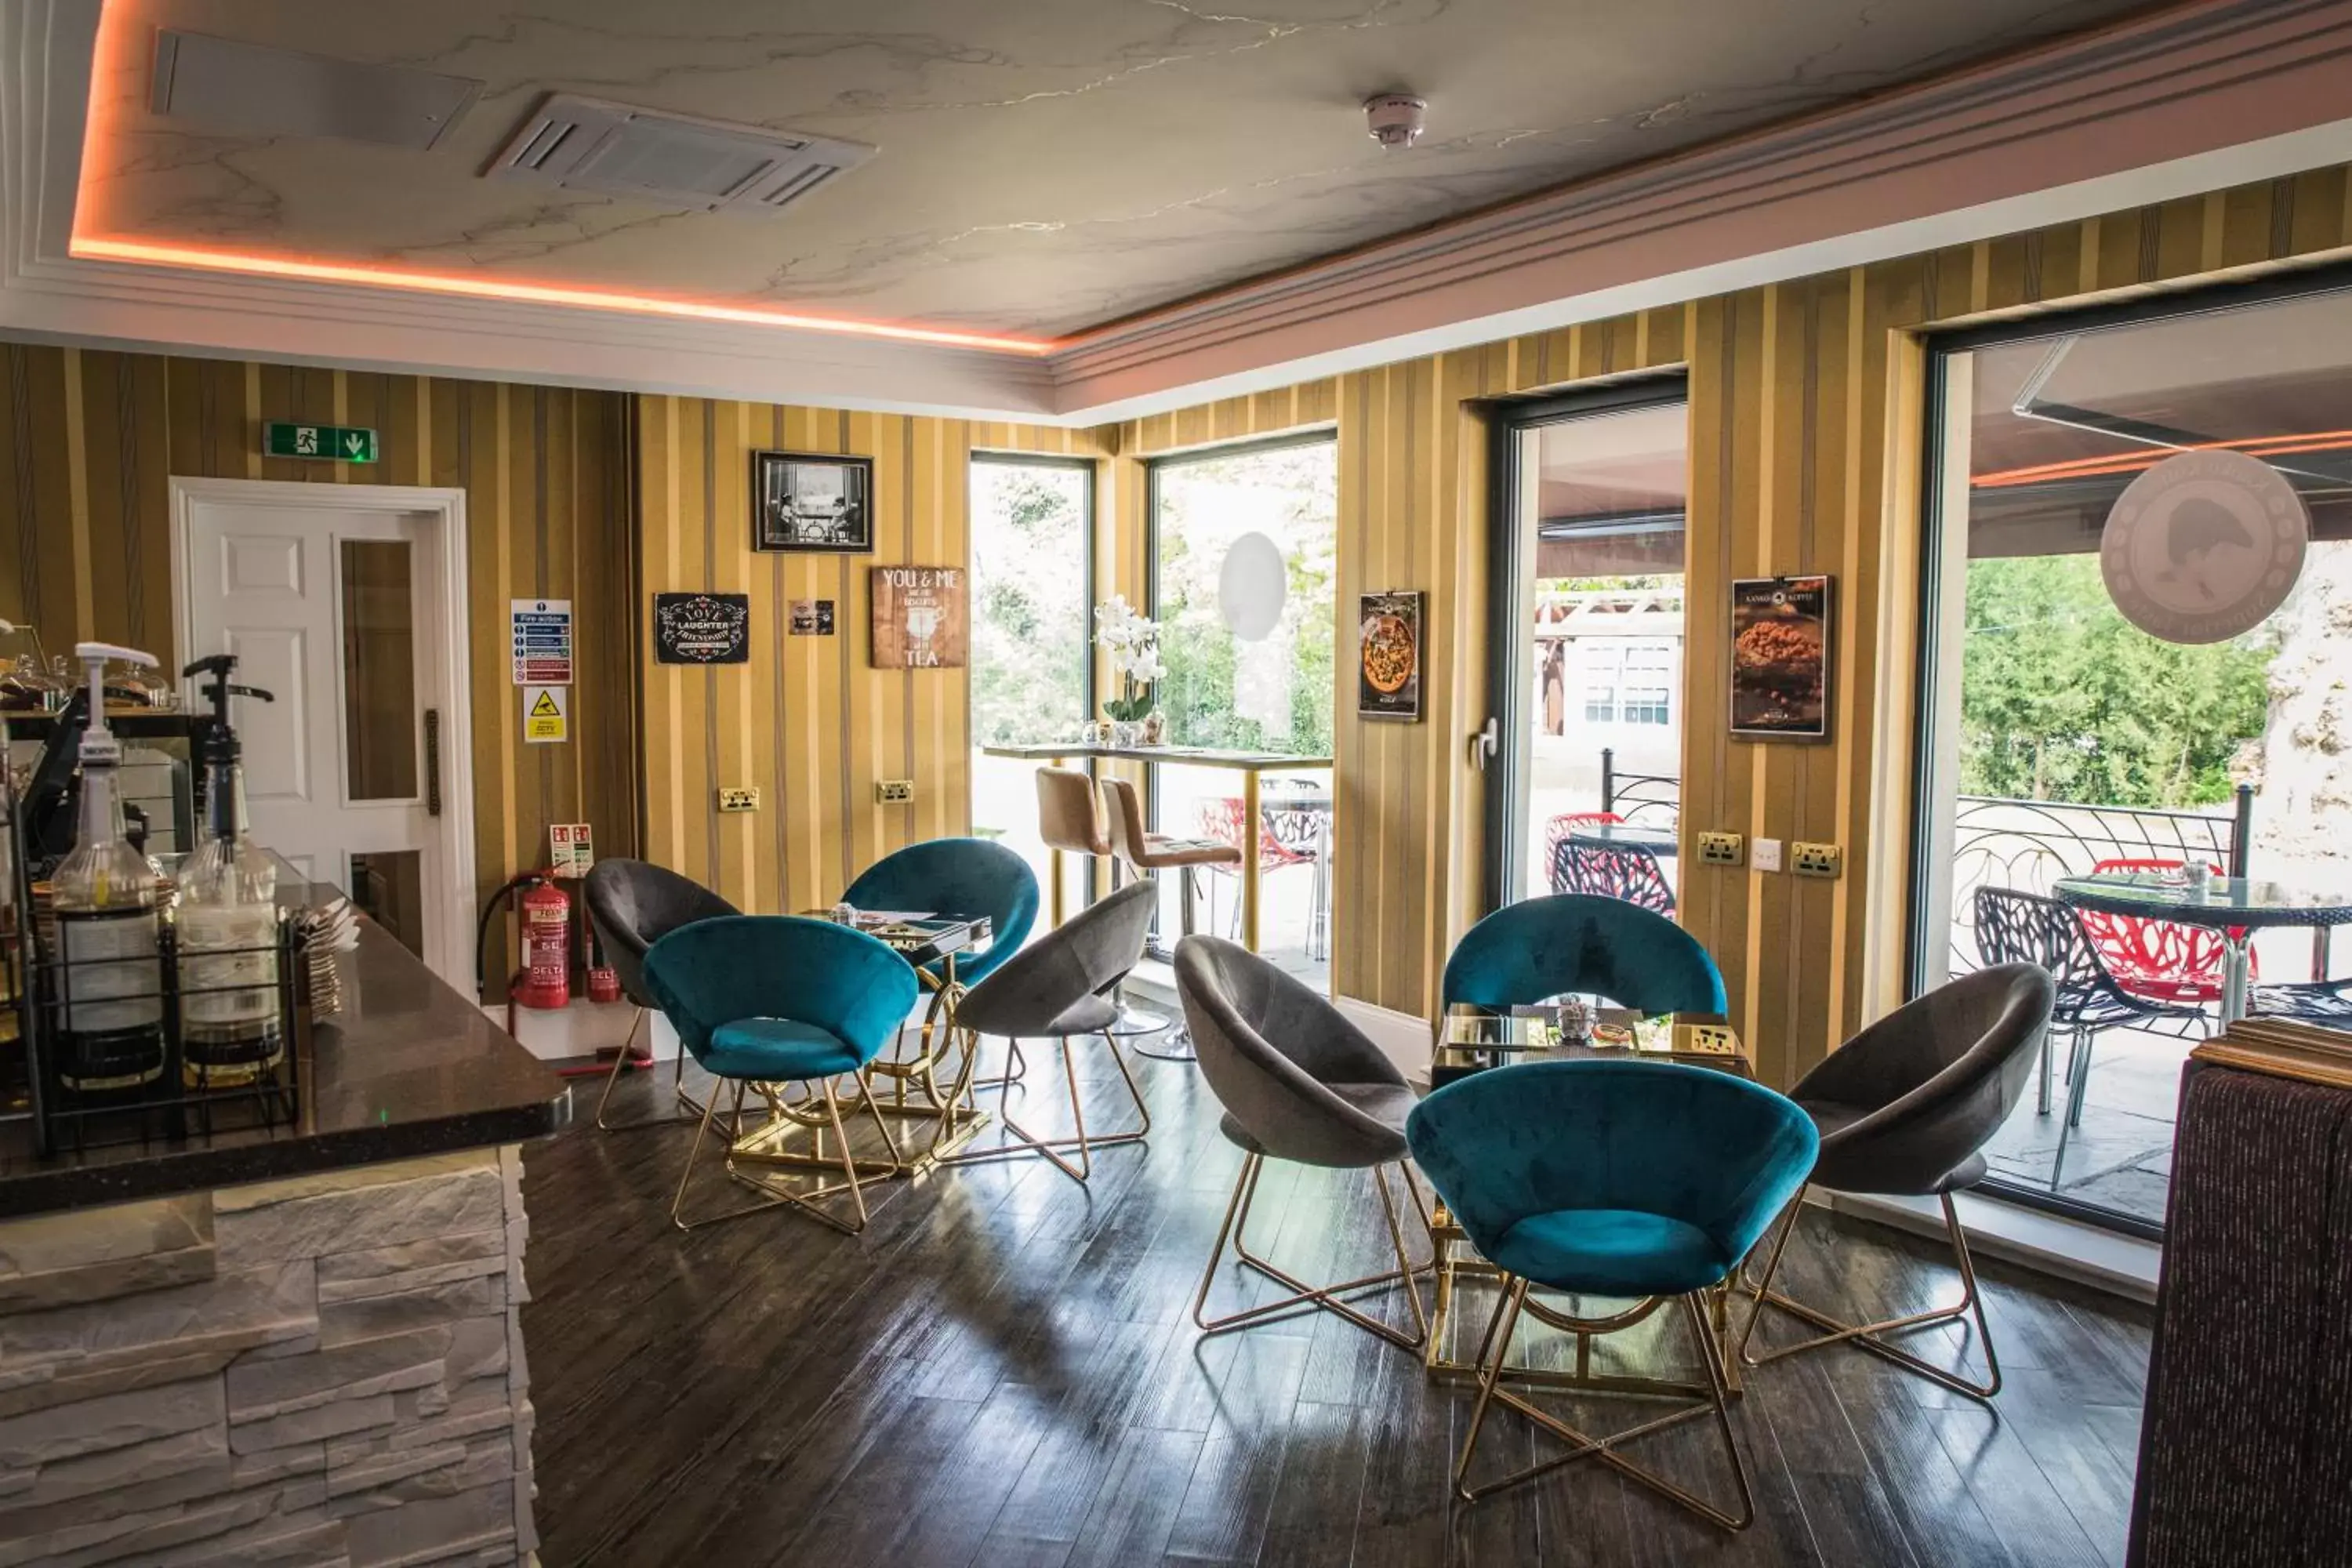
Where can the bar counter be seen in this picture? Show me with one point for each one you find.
(297, 1344)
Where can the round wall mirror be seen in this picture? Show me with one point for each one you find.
(1251, 585)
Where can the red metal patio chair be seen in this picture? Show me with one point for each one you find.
(2163, 961)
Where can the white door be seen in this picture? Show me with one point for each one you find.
(334, 601)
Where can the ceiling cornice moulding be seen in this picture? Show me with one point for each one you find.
(2220, 92)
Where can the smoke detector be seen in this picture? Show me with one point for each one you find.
(1395, 119)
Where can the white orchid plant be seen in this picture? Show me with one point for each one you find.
(1132, 640)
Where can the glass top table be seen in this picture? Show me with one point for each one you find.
(2236, 907)
(1471, 1039)
(1623, 835)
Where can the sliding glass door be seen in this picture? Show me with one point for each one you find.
(1032, 679)
(1583, 755)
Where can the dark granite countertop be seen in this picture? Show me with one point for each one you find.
(408, 1068)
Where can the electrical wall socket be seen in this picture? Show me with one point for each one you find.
(1817, 859)
(744, 797)
(1767, 855)
(893, 791)
(1722, 849)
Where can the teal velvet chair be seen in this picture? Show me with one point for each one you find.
(957, 876)
(1574, 944)
(1648, 1181)
(769, 1000)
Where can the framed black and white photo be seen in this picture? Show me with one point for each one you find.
(811, 503)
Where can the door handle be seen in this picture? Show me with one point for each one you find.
(1485, 744)
(432, 761)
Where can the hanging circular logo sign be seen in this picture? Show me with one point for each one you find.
(2204, 546)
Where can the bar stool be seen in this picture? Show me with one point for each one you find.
(1069, 821)
(1144, 853)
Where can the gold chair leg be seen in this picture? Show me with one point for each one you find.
(1323, 1298)
(858, 1175)
(1494, 1352)
(1872, 1337)
(1027, 1143)
(692, 1108)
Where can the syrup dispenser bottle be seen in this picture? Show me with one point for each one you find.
(230, 1030)
(103, 896)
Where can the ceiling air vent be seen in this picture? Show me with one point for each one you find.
(667, 160)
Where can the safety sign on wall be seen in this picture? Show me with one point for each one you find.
(546, 712)
(569, 854)
(542, 642)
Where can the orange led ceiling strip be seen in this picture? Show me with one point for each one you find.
(106, 91)
(257, 265)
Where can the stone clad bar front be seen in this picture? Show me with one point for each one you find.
(321, 1365)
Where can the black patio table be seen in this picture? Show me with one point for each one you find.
(2236, 907)
(1623, 836)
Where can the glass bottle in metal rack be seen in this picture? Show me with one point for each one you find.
(226, 919)
(104, 897)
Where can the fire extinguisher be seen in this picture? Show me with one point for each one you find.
(544, 981)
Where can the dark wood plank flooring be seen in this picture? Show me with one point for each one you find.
(1002, 1372)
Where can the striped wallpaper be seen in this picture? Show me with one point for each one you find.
(806, 721)
(88, 442)
(1806, 424)
(1806, 455)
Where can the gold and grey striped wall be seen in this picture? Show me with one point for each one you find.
(1806, 436)
(806, 722)
(89, 441)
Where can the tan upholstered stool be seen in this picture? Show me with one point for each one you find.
(1070, 821)
(1144, 853)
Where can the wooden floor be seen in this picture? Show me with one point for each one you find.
(1002, 1372)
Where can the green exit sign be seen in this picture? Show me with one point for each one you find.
(341, 442)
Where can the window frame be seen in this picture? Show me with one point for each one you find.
(1090, 468)
(1940, 350)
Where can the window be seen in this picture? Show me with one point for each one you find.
(1272, 693)
(2061, 739)
(1649, 684)
(1602, 665)
(1031, 571)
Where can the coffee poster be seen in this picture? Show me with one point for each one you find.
(811, 618)
(921, 617)
(1780, 658)
(702, 628)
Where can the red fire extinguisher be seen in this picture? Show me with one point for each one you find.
(544, 980)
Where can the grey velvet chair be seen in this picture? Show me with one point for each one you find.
(1059, 988)
(1904, 1109)
(1297, 1082)
(634, 904)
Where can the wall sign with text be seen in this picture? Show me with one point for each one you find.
(702, 628)
(920, 617)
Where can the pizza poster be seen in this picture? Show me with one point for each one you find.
(1388, 655)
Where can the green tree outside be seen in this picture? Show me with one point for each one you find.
(1030, 610)
(1292, 495)
(2064, 700)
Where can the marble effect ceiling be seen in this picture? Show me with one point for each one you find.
(1045, 164)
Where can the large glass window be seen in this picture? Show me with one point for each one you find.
(2065, 739)
(1032, 523)
(1269, 692)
